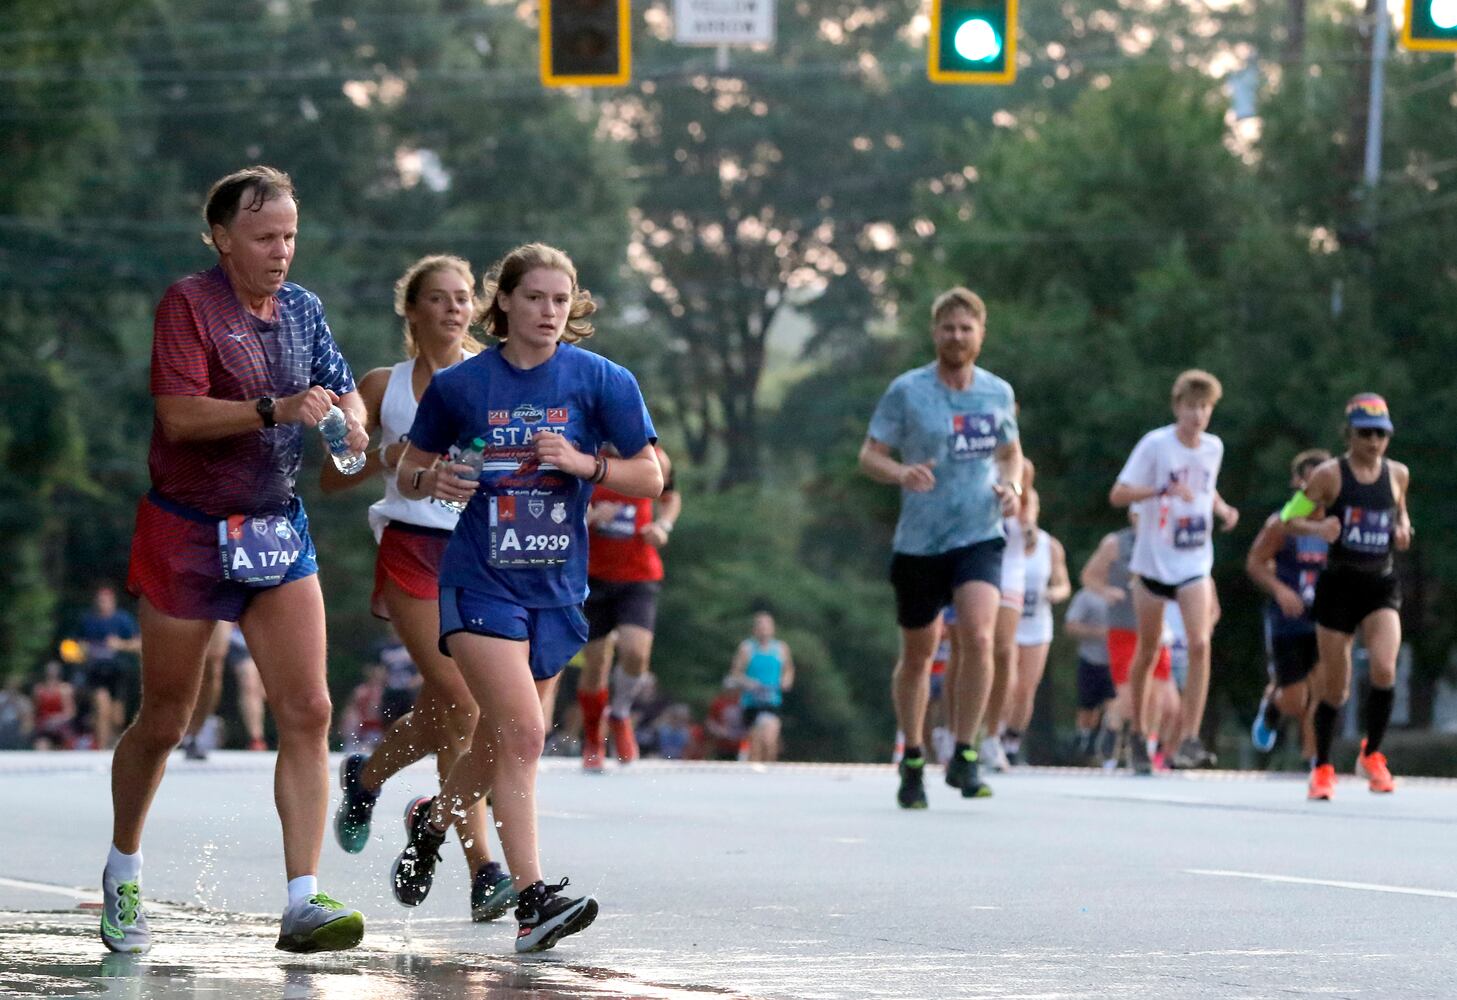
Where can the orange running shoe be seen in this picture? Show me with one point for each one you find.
(1373, 767)
(1322, 783)
(623, 738)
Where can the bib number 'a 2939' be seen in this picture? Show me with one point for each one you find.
(529, 529)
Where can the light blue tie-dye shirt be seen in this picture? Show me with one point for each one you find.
(923, 419)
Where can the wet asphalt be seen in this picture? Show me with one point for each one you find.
(797, 881)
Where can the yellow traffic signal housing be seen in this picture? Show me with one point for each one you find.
(973, 41)
(586, 43)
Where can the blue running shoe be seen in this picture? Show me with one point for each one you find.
(356, 806)
(1261, 735)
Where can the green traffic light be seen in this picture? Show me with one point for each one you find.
(976, 39)
(1443, 14)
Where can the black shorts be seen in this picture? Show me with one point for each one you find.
(924, 584)
(612, 604)
(1095, 685)
(752, 714)
(1292, 658)
(395, 703)
(107, 676)
(1344, 598)
(1168, 591)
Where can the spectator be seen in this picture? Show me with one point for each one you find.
(725, 723)
(674, 732)
(107, 631)
(363, 721)
(16, 717)
(402, 678)
(54, 701)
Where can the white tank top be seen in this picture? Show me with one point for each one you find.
(1014, 561)
(1035, 626)
(396, 416)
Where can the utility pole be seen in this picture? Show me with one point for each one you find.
(1371, 175)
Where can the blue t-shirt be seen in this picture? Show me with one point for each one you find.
(924, 419)
(523, 536)
(95, 630)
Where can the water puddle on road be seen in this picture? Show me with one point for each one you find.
(230, 957)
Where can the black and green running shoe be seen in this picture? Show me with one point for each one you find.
(963, 771)
(912, 791)
(351, 820)
(491, 894)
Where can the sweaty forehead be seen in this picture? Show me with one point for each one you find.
(276, 214)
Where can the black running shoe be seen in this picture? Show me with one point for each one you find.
(956, 768)
(356, 806)
(544, 917)
(414, 870)
(912, 792)
(1138, 759)
(972, 787)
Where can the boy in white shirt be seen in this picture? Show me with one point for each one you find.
(1171, 479)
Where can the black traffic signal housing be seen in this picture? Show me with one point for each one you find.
(973, 41)
(586, 43)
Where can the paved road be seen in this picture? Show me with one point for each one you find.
(794, 881)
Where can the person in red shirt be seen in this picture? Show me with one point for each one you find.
(624, 574)
(243, 363)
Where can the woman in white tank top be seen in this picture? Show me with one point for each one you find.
(1046, 583)
(1004, 636)
(435, 296)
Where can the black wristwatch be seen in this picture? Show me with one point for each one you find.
(265, 410)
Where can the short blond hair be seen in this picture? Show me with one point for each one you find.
(958, 298)
(1197, 385)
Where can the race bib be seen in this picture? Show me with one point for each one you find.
(622, 525)
(973, 435)
(258, 551)
(529, 529)
(1191, 532)
(1367, 531)
(1030, 600)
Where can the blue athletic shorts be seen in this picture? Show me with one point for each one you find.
(554, 635)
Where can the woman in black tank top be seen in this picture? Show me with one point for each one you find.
(1361, 500)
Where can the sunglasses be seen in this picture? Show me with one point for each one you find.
(1371, 432)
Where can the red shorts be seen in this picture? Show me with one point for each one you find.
(175, 564)
(409, 557)
(1121, 644)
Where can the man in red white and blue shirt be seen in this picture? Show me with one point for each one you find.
(242, 362)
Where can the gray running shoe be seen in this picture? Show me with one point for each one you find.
(123, 924)
(320, 923)
(1138, 759)
(1191, 753)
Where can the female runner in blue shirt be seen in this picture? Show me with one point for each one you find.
(514, 575)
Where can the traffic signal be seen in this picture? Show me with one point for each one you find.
(1431, 25)
(973, 41)
(585, 43)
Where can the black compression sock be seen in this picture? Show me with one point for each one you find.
(960, 749)
(1378, 714)
(1325, 731)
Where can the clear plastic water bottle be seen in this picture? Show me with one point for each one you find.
(335, 430)
(475, 457)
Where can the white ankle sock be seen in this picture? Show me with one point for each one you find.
(124, 867)
(302, 888)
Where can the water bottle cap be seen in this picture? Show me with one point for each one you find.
(479, 444)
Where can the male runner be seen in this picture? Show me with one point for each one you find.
(959, 470)
(1286, 566)
(1172, 477)
(624, 574)
(1357, 503)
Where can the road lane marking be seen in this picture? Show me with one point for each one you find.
(1332, 883)
(85, 896)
